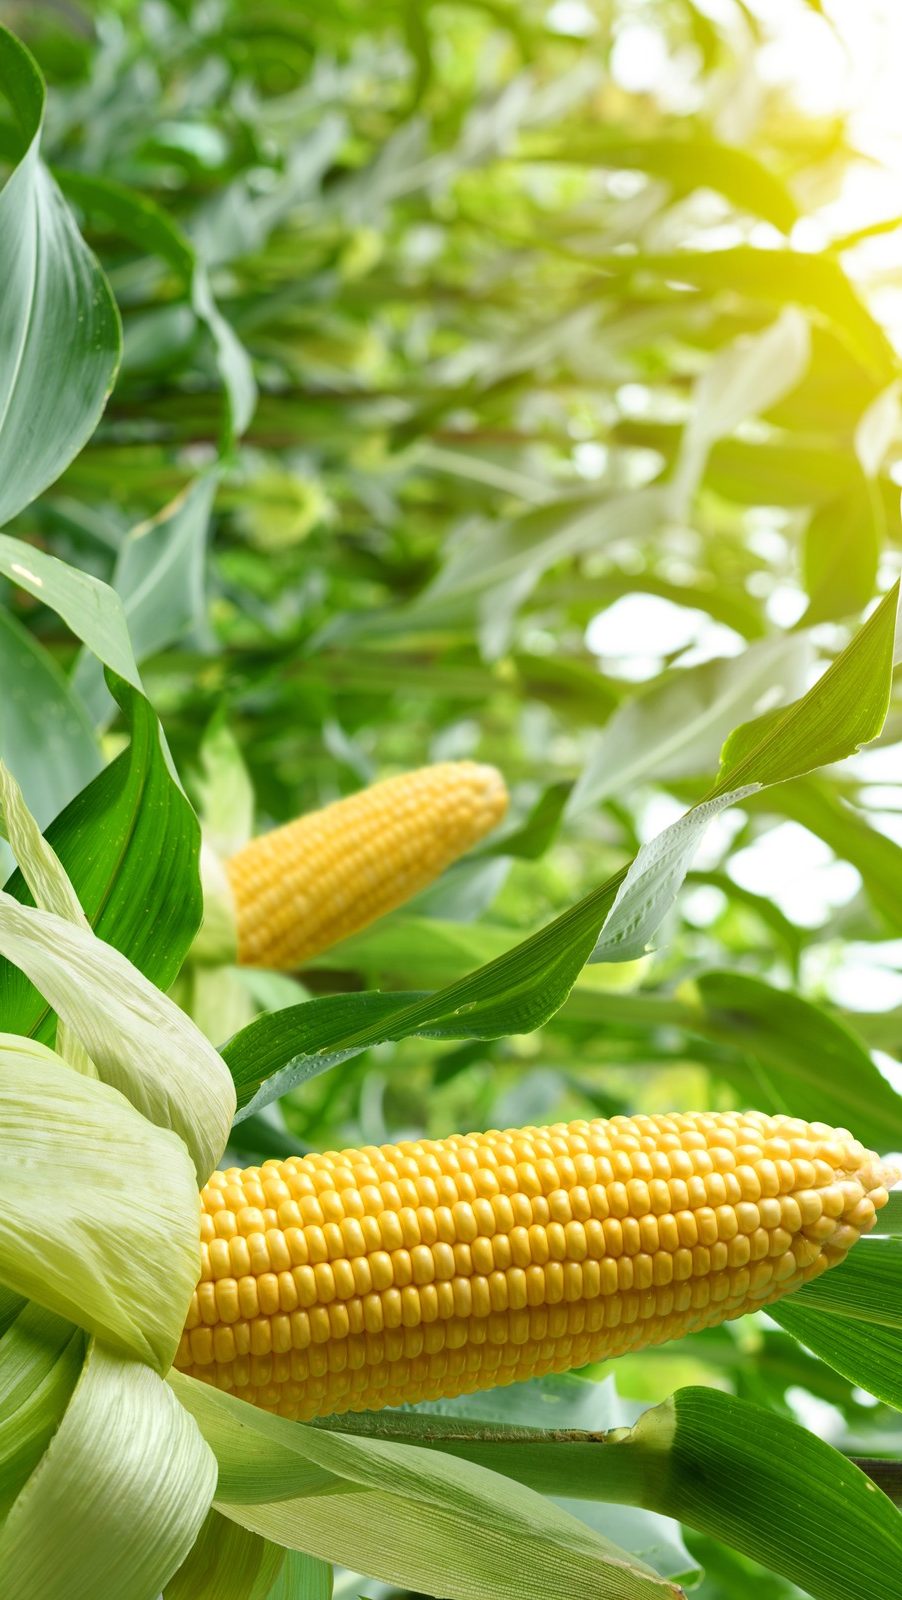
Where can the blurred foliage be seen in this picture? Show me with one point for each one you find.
(569, 452)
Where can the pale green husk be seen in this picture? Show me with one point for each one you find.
(98, 1208)
(117, 1501)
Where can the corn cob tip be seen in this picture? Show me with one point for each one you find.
(304, 887)
(383, 1276)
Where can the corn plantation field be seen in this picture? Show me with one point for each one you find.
(450, 462)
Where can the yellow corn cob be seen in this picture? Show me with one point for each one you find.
(305, 886)
(373, 1277)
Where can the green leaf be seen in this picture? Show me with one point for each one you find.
(129, 844)
(774, 277)
(676, 728)
(492, 569)
(841, 555)
(160, 572)
(845, 709)
(139, 219)
(45, 732)
(41, 1357)
(302, 1578)
(92, 610)
(515, 993)
(75, 1161)
(814, 1066)
(852, 1318)
(771, 1490)
(56, 311)
(411, 1517)
(744, 1475)
(227, 1563)
(654, 880)
(742, 380)
(686, 158)
(120, 1496)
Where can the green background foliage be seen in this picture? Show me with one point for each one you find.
(476, 401)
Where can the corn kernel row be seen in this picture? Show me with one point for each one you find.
(392, 1274)
(304, 887)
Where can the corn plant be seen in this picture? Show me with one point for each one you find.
(448, 477)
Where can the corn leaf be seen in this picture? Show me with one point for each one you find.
(845, 709)
(409, 1517)
(117, 1502)
(227, 1563)
(302, 1578)
(160, 576)
(744, 379)
(677, 728)
(129, 843)
(56, 309)
(45, 732)
(525, 987)
(852, 1318)
(812, 1063)
(98, 1208)
(744, 1475)
(41, 1357)
(686, 157)
(145, 224)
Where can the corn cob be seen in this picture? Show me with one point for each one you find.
(311, 883)
(373, 1277)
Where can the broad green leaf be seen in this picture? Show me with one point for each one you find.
(433, 952)
(159, 575)
(140, 220)
(564, 1402)
(813, 1064)
(129, 844)
(92, 610)
(676, 728)
(56, 310)
(98, 1208)
(771, 1490)
(302, 1578)
(775, 277)
(743, 380)
(493, 569)
(40, 1359)
(653, 881)
(742, 1474)
(841, 554)
(10, 1306)
(137, 1038)
(45, 734)
(515, 993)
(686, 157)
(410, 1517)
(852, 1318)
(844, 710)
(227, 1563)
(120, 1496)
